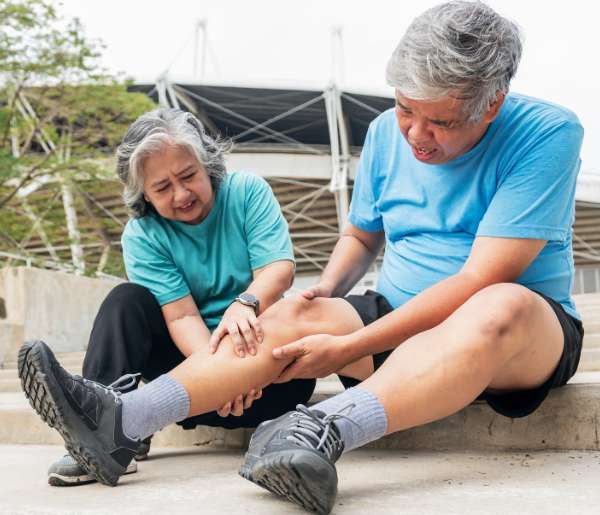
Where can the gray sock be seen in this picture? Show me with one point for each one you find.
(368, 415)
(154, 406)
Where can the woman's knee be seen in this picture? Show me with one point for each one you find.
(126, 295)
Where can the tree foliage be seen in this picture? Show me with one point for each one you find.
(61, 114)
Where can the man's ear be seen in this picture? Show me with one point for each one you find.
(494, 108)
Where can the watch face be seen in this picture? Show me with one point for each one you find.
(248, 297)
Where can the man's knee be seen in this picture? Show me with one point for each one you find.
(501, 311)
(293, 310)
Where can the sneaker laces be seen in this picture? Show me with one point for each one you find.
(309, 425)
(118, 386)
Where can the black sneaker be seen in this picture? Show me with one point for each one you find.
(293, 456)
(86, 414)
(143, 450)
(67, 472)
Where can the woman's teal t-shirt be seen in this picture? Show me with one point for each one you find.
(213, 260)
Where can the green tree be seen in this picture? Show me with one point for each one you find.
(61, 114)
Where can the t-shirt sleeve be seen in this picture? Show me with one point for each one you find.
(364, 212)
(535, 198)
(266, 229)
(150, 266)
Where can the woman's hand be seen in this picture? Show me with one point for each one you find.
(240, 322)
(237, 406)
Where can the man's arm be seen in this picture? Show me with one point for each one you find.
(492, 261)
(352, 255)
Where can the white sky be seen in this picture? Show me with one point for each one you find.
(289, 42)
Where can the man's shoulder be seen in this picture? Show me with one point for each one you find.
(530, 110)
(383, 122)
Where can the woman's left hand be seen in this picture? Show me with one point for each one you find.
(240, 322)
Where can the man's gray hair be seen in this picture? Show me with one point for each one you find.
(151, 133)
(461, 49)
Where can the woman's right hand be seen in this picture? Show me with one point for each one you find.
(318, 290)
(237, 406)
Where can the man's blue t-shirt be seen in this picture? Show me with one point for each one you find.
(212, 260)
(517, 182)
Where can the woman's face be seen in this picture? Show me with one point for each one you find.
(177, 185)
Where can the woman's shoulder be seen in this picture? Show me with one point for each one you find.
(146, 228)
(243, 185)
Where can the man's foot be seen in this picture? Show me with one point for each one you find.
(67, 472)
(86, 414)
(294, 455)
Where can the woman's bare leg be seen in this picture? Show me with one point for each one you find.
(212, 380)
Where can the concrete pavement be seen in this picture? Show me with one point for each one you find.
(196, 480)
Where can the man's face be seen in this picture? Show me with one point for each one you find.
(438, 131)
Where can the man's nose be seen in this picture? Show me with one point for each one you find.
(418, 131)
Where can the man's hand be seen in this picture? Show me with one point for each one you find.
(237, 406)
(318, 290)
(314, 356)
(241, 324)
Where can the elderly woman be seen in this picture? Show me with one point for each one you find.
(206, 252)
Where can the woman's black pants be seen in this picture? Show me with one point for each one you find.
(130, 335)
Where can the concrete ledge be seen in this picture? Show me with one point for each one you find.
(568, 419)
(11, 338)
(57, 307)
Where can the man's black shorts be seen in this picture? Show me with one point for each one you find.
(372, 306)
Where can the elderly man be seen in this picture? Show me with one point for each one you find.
(471, 190)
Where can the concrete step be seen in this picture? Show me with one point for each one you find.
(584, 299)
(590, 359)
(568, 419)
(69, 360)
(591, 341)
(592, 327)
(200, 480)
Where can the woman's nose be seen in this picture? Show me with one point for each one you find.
(181, 192)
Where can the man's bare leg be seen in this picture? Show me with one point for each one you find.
(504, 338)
(211, 380)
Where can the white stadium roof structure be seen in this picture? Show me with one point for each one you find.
(304, 141)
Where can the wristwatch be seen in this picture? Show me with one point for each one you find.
(247, 299)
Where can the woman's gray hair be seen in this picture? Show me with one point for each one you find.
(461, 49)
(151, 133)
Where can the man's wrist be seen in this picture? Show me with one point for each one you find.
(349, 347)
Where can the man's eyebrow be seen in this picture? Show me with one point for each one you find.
(401, 105)
(442, 122)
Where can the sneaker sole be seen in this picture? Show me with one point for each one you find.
(44, 393)
(302, 477)
(56, 479)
